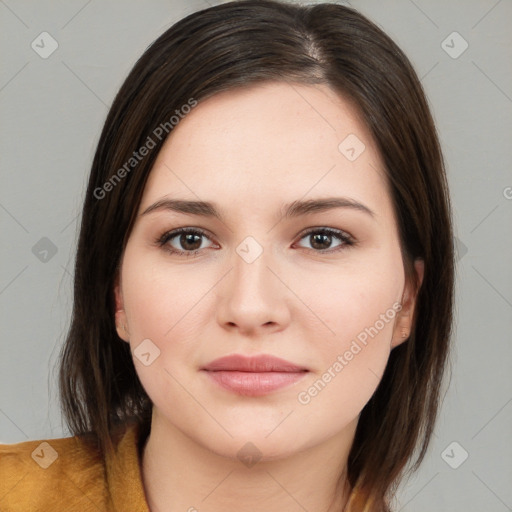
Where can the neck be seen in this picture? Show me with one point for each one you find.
(181, 474)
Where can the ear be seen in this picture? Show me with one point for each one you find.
(403, 324)
(120, 314)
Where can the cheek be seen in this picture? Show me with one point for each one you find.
(159, 300)
(163, 306)
(169, 306)
(360, 309)
(349, 303)
(350, 366)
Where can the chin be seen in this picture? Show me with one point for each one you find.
(255, 446)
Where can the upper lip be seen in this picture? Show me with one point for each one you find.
(259, 363)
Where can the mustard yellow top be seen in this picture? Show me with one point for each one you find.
(64, 474)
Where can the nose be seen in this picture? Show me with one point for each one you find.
(251, 298)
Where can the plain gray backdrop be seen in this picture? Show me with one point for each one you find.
(53, 107)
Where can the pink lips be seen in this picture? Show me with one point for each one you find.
(253, 376)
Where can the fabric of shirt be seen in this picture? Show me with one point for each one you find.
(67, 475)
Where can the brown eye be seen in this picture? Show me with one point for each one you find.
(321, 240)
(183, 241)
(190, 241)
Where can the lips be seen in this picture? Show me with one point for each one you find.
(253, 376)
(262, 363)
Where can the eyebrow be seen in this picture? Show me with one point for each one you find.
(294, 209)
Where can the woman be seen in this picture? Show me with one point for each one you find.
(264, 278)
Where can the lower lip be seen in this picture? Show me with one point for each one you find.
(254, 383)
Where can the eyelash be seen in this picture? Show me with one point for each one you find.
(162, 240)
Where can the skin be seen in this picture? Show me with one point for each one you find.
(251, 151)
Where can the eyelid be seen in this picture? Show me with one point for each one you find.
(327, 229)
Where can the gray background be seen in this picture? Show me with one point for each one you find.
(53, 109)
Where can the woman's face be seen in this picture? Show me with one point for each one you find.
(265, 279)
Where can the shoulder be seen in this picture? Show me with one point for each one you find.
(38, 475)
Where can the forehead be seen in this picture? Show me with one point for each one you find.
(266, 144)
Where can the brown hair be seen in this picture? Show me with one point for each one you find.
(233, 45)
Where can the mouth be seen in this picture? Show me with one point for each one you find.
(253, 376)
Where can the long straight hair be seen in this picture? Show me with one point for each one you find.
(222, 48)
